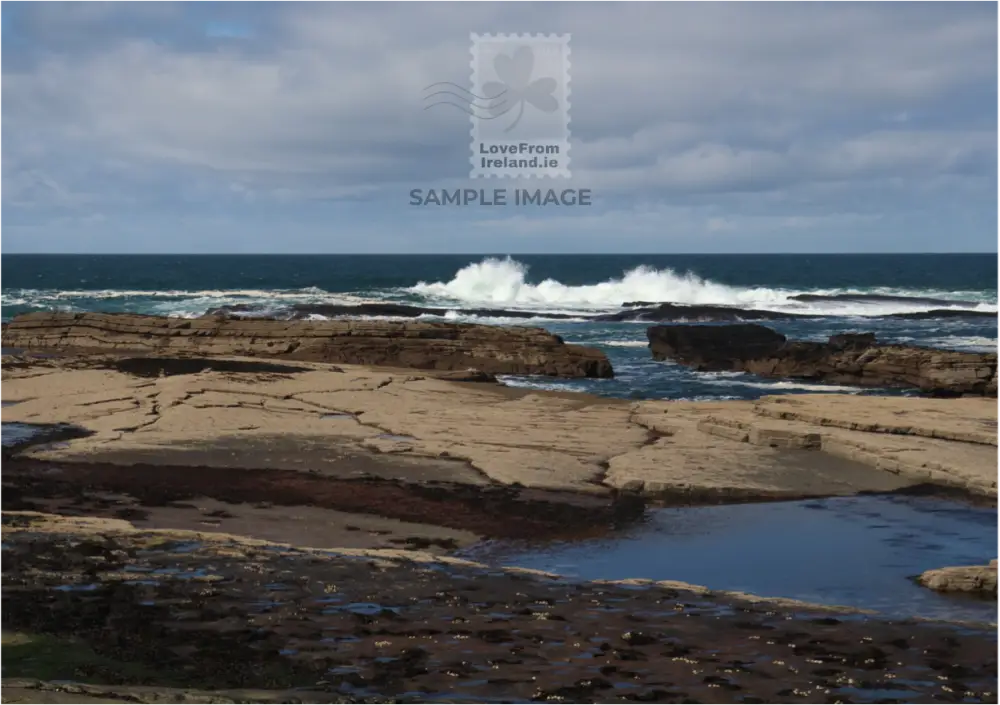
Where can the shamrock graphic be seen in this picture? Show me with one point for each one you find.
(516, 87)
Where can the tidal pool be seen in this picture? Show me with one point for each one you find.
(855, 551)
(17, 433)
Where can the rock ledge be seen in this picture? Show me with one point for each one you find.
(411, 344)
(849, 358)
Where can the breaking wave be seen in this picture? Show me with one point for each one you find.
(785, 385)
(504, 282)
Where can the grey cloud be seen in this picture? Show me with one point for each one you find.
(672, 101)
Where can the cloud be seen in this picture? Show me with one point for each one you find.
(228, 30)
(201, 107)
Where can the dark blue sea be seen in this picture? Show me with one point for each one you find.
(187, 285)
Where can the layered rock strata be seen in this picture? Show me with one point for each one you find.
(976, 579)
(853, 359)
(407, 344)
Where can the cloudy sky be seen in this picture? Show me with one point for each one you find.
(299, 127)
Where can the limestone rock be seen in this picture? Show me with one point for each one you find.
(411, 344)
(849, 358)
(980, 579)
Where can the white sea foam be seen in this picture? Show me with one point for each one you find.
(623, 343)
(972, 343)
(784, 385)
(458, 317)
(309, 294)
(504, 282)
(551, 386)
(178, 302)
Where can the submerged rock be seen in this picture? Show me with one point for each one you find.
(423, 345)
(848, 358)
(307, 311)
(882, 298)
(631, 311)
(645, 311)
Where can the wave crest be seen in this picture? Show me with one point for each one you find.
(504, 281)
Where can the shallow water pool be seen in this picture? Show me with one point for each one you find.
(12, 434)
(855, 551)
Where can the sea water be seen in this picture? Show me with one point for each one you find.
(853, 551)
(548, 285)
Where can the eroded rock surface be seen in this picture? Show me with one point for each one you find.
(855, 359)
(332, 420)
(411, 344)
(976, 579)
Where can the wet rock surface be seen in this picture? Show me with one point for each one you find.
(406, 344)
(856, 359)
(304, 311)
(882, 298)
(169, 366)
(648, 311)
(132, 492)
(233, 613)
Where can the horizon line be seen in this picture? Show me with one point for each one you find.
(485, 254)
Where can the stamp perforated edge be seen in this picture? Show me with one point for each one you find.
(562, 172)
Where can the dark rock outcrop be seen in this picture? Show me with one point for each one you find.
(851, 358)
(714, 347)
(631, 311)
(881, 298)
(704, 313)
(844, 341)
(683, 312)
(415, 344)
(945, 313)
(303, 311)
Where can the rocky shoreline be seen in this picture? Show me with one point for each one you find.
(854, 359)
(474, 352)
(418, 345)
(207, 522)
(218, 612)
(344, 421)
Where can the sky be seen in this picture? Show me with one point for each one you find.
(301, 128)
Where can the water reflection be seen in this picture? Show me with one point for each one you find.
(857, 551)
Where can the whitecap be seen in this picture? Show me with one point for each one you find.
(623, 343)
(504, 282)
(784, 385)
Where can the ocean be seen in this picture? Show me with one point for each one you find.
(844, 292)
